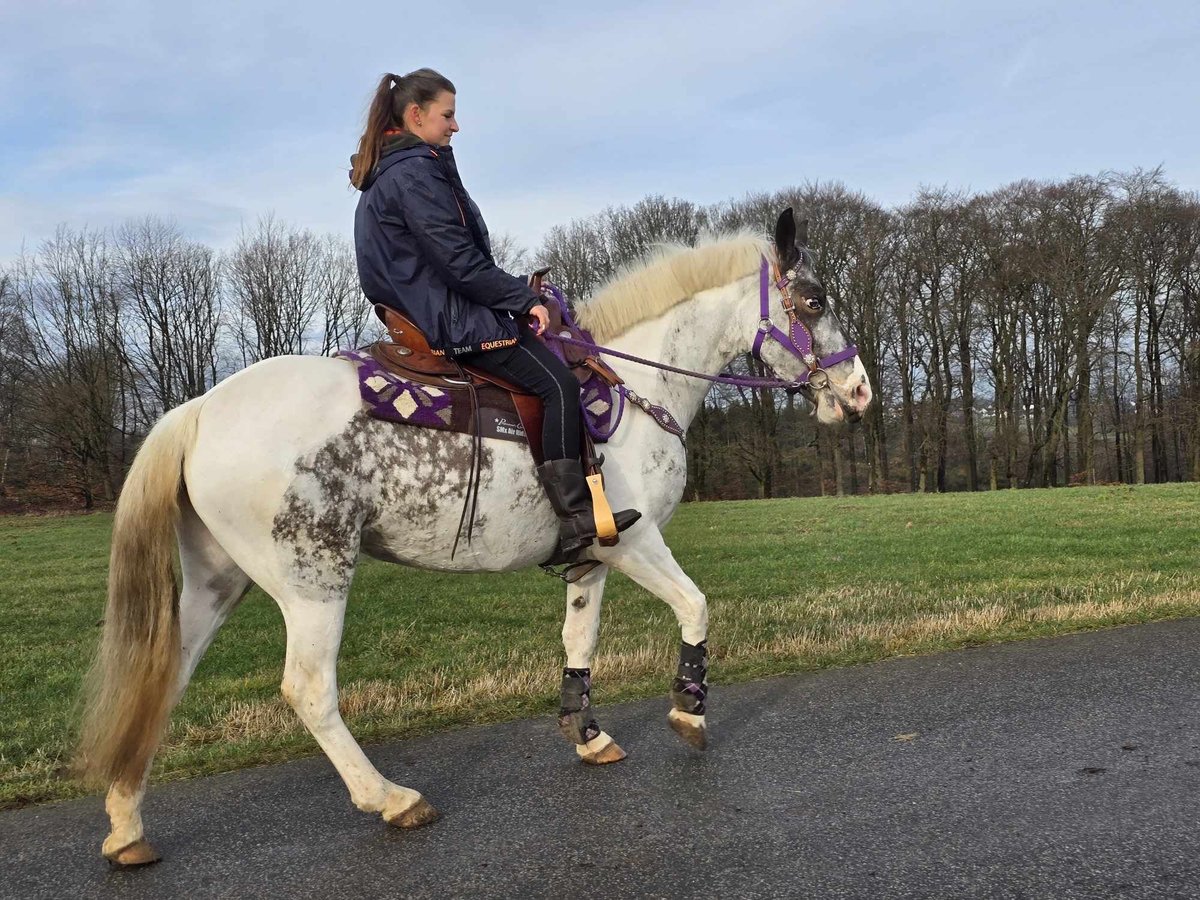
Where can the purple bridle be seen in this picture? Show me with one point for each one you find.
(798, 339)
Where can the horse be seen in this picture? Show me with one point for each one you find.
(277, 477)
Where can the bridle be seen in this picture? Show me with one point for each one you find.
(798, 339)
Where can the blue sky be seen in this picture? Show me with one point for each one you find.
(214, 114)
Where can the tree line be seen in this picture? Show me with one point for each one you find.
(1042, 334)
(1045, 333)
(103, 331)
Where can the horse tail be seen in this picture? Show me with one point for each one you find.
(131, 687)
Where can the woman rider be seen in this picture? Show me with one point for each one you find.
(423, 249)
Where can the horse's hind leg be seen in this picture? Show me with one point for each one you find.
(580, 629)
(645, 557)
(314, 634)
(212, 587)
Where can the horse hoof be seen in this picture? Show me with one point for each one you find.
(139, 853)
(420, 813)
(600, 750)
(689, 727)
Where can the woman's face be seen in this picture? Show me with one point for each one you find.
(434, 123)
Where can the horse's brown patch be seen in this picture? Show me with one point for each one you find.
(340, 488)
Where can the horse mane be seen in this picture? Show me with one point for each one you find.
(668, 275)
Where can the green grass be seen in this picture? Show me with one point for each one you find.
(792, 585)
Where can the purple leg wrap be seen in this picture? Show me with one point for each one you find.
(575, 717)
(690, 688)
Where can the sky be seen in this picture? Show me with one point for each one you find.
(215, 114)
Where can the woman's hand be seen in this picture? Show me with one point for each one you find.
(542, 316)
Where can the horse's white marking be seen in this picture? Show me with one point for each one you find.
(595, 745)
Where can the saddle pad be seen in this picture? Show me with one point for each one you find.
(602, 404)
(392, 398)
(601, 408)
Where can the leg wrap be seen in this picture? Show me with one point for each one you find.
(691, 682)
(575, 717)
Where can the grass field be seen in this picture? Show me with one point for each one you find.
(792, 585)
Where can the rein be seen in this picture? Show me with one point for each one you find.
(797, 341)
(739, 380)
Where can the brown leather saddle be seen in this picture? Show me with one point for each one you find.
(413, 353)
(409, 356)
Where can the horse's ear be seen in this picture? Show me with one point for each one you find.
(802, 233)
(785, 239)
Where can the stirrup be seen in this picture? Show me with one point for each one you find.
(602, 514)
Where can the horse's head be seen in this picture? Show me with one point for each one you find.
(811, 345)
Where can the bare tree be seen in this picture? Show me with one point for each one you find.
(347, 318)
(272, 275)
(171, 289)
(74, 348)
(10, 375)
(577, 256)
(509, 254)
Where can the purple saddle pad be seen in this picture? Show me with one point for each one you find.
(388, 396)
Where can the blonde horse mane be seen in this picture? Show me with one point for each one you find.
(668, 275)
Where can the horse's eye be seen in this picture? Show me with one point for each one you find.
(815, 304)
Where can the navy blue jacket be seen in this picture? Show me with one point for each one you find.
(422, 248)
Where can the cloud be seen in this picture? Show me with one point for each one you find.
(218, 113)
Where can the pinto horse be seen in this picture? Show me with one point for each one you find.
(276, 477)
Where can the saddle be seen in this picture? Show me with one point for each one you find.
(409, 350)
(504, 410)
(406, 380)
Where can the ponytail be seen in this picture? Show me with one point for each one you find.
(392, 96)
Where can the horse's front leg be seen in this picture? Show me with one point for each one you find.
(580, 628)
(644, 556)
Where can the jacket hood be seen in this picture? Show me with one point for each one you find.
(392, 146)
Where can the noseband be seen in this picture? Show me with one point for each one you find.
(798, 339)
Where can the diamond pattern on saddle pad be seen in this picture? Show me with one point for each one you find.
(405, 404)
(599, 407)
(597, 397)
(390, 397)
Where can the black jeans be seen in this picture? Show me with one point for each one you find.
(530, 364)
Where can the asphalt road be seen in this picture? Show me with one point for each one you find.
(1058, 768)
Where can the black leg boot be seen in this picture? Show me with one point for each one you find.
(565, 485)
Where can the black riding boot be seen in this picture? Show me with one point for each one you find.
(567, 488)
